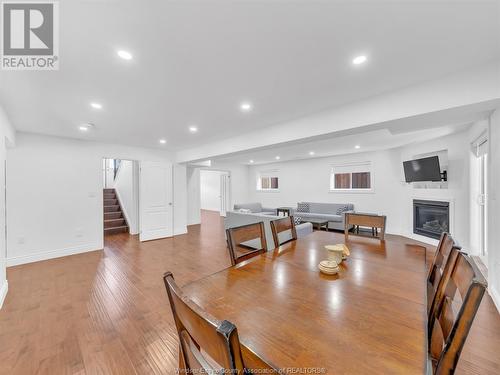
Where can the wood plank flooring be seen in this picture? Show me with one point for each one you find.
(106, 312)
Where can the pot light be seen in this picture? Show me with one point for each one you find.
(85, 127)
(250, 161)
(246, 106)
(163, 141)
(357, 147)
(125, 55)
(277, 158)
(311, 153)
(96, 105)
(359, 60)
(193, 129)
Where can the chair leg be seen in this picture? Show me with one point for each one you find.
(182, 362)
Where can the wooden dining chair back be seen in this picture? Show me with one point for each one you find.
(459, 298)
(206, 344)
(436, 270)
(246, 242)
(284, 225)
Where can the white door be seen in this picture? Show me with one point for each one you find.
(155, 200)
(224, 194)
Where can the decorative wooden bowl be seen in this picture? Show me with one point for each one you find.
(328, 267)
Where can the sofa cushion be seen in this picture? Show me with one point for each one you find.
(253, 207)
(342, 209)
(303, 207)
(328, 208)
(329, 217)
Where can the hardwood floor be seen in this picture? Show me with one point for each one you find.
(106, 312)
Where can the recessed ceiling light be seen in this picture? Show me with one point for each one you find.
(96, 105)
(246, 106)
(125, 55)
(85, 127)
(277, 158)
(359, 60)
(193, 129)
(250, 161)
(357, 147)
(163, 141)
(311, 153)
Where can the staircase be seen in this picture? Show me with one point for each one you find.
(114, 220)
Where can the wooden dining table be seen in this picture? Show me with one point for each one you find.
(370, 318)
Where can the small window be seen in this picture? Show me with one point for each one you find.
(351, 177)
(342, 180)
(268, 181)
(361, 180)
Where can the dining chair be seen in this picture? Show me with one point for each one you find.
(284, 225)
(206, 345)
(443, 250)
(246, 241)
(462, 291)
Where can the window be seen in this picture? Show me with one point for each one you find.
(268, 180)
(351, 177)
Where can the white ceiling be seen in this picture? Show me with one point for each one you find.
(195, 61)
(357, 142)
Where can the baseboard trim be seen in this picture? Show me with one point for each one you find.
(179, 231)
(495, 296)
(45, 255)
(3, 292)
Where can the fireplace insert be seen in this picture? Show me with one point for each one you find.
(431, 218)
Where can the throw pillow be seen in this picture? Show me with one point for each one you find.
(297, 220)
(342, 209)
(302, 207)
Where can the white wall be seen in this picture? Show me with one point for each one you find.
(193, 192)
(180, 199)
(238, 181)
(54, 195)
(458, 191)
(308, 180)
(494, 209)
(7, 138)
(126, 185)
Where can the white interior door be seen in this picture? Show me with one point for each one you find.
(224, 194)
(155, 200)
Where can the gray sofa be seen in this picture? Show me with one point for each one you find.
(236, 219)
(333, 212)
(255, 208)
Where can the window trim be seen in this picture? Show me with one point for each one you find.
(369, 168)
(267, 174)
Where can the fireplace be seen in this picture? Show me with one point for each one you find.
(431, 218)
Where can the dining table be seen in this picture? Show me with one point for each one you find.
(369, 318)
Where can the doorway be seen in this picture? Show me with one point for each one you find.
(479, 185)
(215, 191)
(120, 196)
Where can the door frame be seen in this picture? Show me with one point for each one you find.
(137, 195)
(229, 194)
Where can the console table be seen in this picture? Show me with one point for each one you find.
(286, 211)
(359, 219)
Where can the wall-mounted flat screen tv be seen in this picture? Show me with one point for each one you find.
(420, 170)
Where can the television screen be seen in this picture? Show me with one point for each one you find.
(426, 169)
